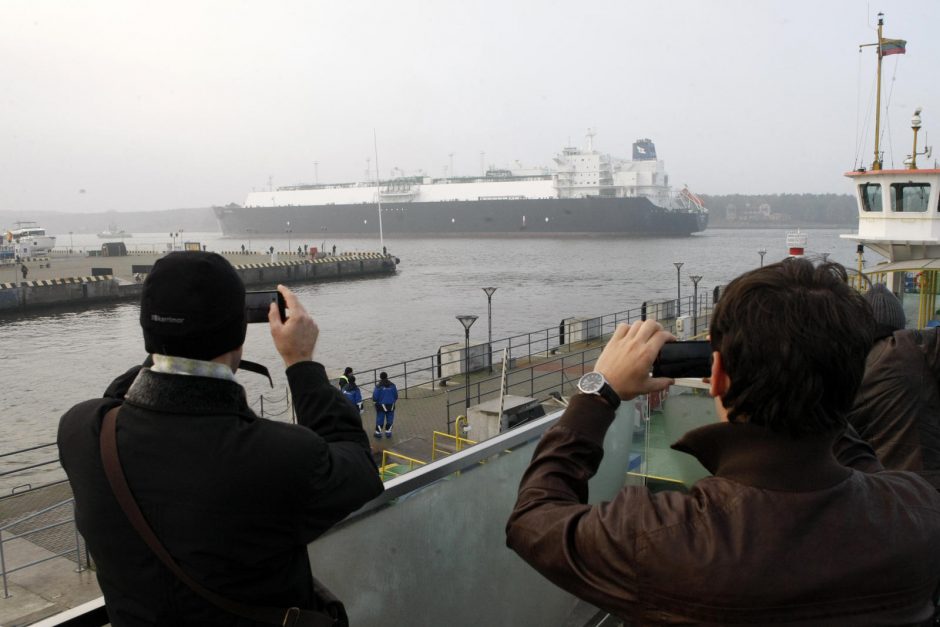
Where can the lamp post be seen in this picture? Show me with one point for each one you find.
(678, 265)
(489, 315)
(695, 279)
(249, 231)
(762, 252)
(71, 246)
(467, 322)
(288, 236)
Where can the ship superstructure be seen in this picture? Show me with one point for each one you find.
(29, 240)
(584, 192)
(899, 214)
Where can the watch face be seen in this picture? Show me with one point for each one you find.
(591, 383)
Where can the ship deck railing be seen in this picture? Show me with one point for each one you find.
(431, 549)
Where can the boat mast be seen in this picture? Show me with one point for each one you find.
(378, 189)
(876, 164)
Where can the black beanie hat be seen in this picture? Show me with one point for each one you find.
(193, 305)
(886, 306)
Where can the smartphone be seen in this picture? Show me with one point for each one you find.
(257, 305)
(684, 359)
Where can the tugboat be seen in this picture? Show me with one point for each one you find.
(899, 212)
(114, 233)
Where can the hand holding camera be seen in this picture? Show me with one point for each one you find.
(294, 337)
(628, 357)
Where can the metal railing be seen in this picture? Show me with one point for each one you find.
(16, 532)
(427, 371)
(546, 376)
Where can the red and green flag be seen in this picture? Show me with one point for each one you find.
(892, 46)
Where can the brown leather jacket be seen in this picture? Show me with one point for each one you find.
(782, 533)
(897, 408)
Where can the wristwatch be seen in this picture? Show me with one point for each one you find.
(595, 383)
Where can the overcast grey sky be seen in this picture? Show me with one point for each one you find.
(186, 104)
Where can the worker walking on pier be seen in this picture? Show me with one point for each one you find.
(385, 396)
(351, 391)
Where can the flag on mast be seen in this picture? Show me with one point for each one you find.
(893, 46)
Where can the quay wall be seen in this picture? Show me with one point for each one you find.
(21, 296)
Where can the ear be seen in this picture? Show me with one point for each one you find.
(719, 379)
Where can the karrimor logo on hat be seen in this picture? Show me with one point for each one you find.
(193, 305)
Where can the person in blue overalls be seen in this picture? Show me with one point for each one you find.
(385, 395)
(351, 391)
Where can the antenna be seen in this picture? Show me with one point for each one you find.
(378, 188)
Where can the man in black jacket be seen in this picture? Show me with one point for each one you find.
(897, 408)
(234, 498)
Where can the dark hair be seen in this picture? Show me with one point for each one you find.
(793, 339)
(383, 375)
(347, 371)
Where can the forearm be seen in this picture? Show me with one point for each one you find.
(853, 451)
(565, 459)
(573, 544)
(322, 407)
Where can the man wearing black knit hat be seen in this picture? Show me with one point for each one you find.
(233, 498)
(897, 408)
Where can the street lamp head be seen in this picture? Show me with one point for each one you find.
(695, 278)
(489, 291)
(467, 321)
(678, 264)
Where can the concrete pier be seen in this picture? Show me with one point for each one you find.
(77, 280)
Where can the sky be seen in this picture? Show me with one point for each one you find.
(127, 106)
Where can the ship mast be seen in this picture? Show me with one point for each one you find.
(884, 48)
(378, 188)
(876, 164)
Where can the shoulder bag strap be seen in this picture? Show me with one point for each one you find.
(287, 617)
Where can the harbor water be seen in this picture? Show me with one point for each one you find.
(51, 360)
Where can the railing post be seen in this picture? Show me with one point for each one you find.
(78, 542)
(261, 399)
(406, 379)
(3, 570)
(433, 376)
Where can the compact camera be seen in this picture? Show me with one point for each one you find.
(684, 359)
(257, 305)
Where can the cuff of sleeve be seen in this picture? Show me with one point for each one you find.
(307, 370)
(589, 415)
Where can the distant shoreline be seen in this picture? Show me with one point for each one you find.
(780, 227)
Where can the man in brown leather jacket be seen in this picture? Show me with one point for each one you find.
(782, 532)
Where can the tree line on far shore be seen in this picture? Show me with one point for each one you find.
(767, 209)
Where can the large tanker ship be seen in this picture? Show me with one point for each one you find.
(585, 192)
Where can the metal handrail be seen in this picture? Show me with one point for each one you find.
(5, 572)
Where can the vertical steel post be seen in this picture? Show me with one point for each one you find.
(678, 265)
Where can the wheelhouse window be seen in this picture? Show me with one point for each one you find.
(910, 197)
(871, 196)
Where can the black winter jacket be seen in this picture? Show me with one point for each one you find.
(234, 498)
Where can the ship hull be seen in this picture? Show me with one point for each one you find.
(594, 215)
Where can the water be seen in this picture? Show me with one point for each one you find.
(49, 361)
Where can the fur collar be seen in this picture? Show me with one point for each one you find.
(183, 394)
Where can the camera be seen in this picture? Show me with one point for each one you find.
(257, 305)
(684, 359)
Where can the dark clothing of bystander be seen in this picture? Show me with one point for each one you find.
(897, 408)
(234, 498)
